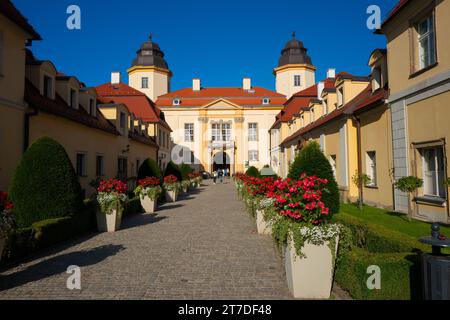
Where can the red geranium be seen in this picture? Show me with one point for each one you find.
(4, 203)
(149, 182)
(112, 185)
(170, 179)
(301, 200)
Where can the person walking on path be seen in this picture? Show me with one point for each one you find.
(220, 175)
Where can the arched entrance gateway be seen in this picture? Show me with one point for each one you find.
(221, 161)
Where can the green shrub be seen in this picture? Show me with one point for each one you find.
(185, 169)
(377, 239)
(313, 162)
(45, 185)
(400, 275)
(149, 168)
(133, 206)
(252, 172)
(172, 169)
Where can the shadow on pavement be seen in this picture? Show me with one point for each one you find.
(141, 220)
(58, 264)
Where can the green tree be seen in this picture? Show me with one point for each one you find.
(313, 162)
(45, 185)
(360, 180)
(185, 169)
(252, 172)
(173, 169)
(149, 168)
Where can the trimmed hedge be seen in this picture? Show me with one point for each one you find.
(149, 168)
(185, 169)
(45, 233)
(313, 162)
(377, 239)
(172, 169)
(400, 275)
(45, 185)
(252, 172)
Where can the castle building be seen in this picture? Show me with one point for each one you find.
(224, 127)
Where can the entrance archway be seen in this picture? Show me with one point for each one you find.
(222, 161)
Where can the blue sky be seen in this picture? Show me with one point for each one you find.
(217, 41)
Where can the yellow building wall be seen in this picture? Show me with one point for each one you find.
(398, 47)
(75, 137)
(376, 136)
(428, 120)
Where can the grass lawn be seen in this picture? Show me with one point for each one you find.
(392, 220)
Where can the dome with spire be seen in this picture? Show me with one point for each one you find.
(150, 54)
(294, 53)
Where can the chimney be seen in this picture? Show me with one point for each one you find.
(331, 73)
(115, 77)
(196, 84)
(247, 84)
(320, 87)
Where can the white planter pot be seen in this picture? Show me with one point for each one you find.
(310, 277)
(171, 196)
(2, 246)
(109, 222)
(148, 204)
(262, 226)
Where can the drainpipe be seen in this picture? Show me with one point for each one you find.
(358, 139)
(26, 128)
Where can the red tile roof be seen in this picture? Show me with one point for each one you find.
(60, 108)
(191, 98)
(136, 101)
(365, 99)
(8, 9)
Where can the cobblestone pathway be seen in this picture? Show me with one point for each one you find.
(202, 247)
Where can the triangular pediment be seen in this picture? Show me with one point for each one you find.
(221, 104)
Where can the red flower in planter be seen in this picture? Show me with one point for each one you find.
(112, 185)
(149, 182)
(170, 179)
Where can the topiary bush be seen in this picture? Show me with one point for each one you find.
(252, 172)
(173, 169)
(149, 168)
(45, 185)
(313, 162)
(185, 169)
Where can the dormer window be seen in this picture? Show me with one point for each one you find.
(340, 96)
(92, 107)
(313, 115)
(48, 87)
(376, 78)
(176, 102)
(73, 99)
(265, 101)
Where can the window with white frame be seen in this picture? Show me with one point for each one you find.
(433, 172)
(226, 132)
(144, 83)
(176, 102)
(81, 164)
(297, 80)
(265, 101)
(333, 163)
(253, 155)
(371, 167)
(188, 132)
(215, 134)
(252, 132)
(427, 43)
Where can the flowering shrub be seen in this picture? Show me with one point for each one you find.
(111, 194)
(149, 187)
(171, 183)
(7, 219)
